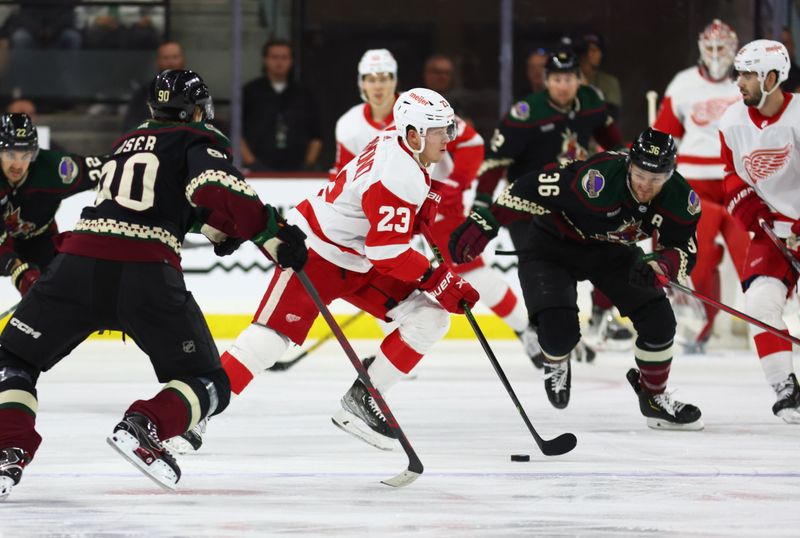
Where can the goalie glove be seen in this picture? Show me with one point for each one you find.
(468, 240)
(283, 242)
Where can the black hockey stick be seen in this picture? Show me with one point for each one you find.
(781, 246)
(9, 310)
(415, 467)
(552, 447)
(282, 366)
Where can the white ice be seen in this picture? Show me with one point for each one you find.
(273, 464)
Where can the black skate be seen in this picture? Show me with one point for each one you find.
(582, 353)
(136, 438)
(607, 333)
(530, 342)
(788, 405)
(360, 416)
(557, 381)
(662, 412)
(12, 462)
(188, 442)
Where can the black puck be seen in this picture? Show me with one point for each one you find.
(520, 457)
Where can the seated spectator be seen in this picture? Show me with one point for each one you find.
(439, 76)
(535, 69)
(168, 56)
(281, 128)
(590, 48)
(44, 24)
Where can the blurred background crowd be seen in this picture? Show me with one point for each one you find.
(283, 71)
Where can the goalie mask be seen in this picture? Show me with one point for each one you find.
(718, 44)
(175, 93)
(423, 109)
(373, 62)
(17, 133)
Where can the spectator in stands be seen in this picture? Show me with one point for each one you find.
(26, 106)
(590, 48)
(44, 24)
(105, 31)
(535, 71)
(281, 127)
(439, 75)
(168, 56)
(791, 84)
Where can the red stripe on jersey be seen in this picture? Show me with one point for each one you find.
(667, 121)
(376, 124)
(343, 156)
(307, 211)
(698, 159)
(768, 344)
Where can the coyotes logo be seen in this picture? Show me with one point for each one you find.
(764, 163)
(571, 149)
(14, 225)
(627, 233)
(710, 111)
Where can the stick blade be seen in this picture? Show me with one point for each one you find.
(403, 479)
(560, 445)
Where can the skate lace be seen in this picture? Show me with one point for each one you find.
(557, 375)
(673, 407)
(373, 406)
(785, 388)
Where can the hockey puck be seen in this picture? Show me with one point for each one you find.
(520, 457)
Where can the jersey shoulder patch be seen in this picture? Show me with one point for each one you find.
(680, 200)
(54, 169)
(601, 180)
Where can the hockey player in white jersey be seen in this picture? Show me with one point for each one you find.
(692, 106)
(760, 138)
(359, 230)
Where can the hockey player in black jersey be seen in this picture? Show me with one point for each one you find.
(584, 220)
(120, 270)
(554, 125)
(33, 184)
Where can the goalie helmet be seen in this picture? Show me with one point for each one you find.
(654, 151)
(175, 93)
(718, 44)
(423, 109)
(18, 133)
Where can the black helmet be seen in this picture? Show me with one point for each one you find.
(175, 92)
(564, 61)
(654, 151)
(18, 133)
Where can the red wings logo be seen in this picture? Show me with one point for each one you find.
(706, 112)
(763, 163)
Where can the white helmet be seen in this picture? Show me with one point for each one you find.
(760, 57)
(718, 44)
(375, 61)
(423, 109)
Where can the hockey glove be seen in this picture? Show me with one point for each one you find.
(468, 240)
(283, 242)
(452, 291)
(24, 276)
(746, 207)
(8, 262)
(427, 212)
(649, 271)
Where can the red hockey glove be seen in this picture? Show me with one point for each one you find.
(746, 207)
(449, 289)
(24, 276)
(427, 211)
(283, 242)
(468, 240)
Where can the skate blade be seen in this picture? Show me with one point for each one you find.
(790, 416)
(350, 423)
(6, 483)
(661, 424)
(159, 472)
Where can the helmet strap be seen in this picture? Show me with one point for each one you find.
(764, 93)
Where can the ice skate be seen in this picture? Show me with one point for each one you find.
(662, 412)
(557, 381)
(788, 404)
(12, 462)
(137, 440)
(530, 343)
(360, 416)
(188, 442)
(582, 352)
(606, 332)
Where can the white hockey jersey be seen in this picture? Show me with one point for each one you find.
(690, 112)
(365, 218)
(354, 130)
(764, 153)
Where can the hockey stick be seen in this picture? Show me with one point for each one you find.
(415, 467)
(282, 366)
(781, 246)
(552, 447)
(9, 310)
(733, 312)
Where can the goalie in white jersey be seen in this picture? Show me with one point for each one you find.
(760, 138)
(693, 104)
(359, 230)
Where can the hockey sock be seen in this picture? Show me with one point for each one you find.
(170, 410)
(654, 365)
(775, 356)
(400, 358)
(256, 349)
(600, 300)
(18, 406)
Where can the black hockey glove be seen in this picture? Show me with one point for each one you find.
(228, 246)
(643, 274)
(283, 242)
(468, 240)
(8, 260)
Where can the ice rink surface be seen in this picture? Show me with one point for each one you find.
(273, 464)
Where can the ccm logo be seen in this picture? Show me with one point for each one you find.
(27, 329)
